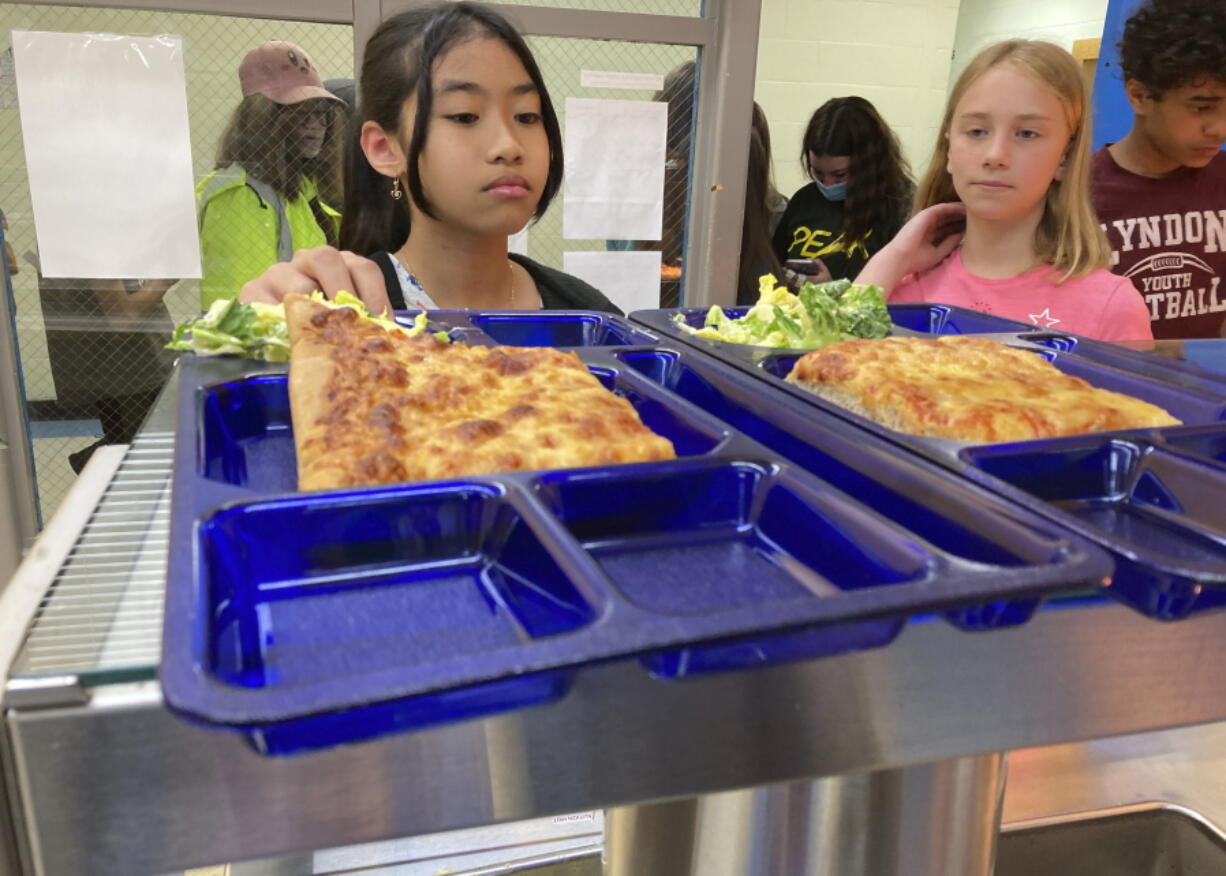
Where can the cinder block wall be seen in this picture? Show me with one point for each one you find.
(894, 53)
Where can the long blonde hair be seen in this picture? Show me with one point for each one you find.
(1069, 237)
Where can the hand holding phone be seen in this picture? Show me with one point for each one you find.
(811, 270)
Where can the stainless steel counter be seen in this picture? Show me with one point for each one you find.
(106, 781)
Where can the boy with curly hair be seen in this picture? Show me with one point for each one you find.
(1160, 192)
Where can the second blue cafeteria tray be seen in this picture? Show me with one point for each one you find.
(437, 601)
(1150, 497)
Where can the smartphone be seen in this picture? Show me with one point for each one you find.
(801, 266)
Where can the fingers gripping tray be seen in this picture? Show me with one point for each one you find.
(311, 619)
(1153, 498)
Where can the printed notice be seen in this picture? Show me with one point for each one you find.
(627, 81)
(104, 119)
(614, 169)
(631, 280)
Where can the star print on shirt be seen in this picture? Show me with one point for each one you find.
(1045, 316)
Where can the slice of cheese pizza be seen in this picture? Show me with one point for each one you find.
(966, 389)
(371, 405)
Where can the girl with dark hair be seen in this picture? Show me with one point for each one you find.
(280, 150)
(459, 148)
(860, 195)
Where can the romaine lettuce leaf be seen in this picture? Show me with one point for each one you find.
(820, 314)
(258, 331)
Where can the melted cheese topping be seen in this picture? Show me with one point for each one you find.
(372, 407)
(969, 389)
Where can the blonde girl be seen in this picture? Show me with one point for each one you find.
(1004, 222)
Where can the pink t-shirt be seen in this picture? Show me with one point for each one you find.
(1099, 305)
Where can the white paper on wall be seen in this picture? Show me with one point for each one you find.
(631, 280)
(615, 153)
(108, 152)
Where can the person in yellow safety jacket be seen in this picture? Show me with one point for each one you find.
(281, 148)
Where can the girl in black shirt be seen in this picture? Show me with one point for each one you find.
(860, 194)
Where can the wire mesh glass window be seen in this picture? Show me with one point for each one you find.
(91, 350)
(562, 60)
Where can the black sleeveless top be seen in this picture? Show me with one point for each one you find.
(559, 291)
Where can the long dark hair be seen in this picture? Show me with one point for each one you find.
(764, 132)
(757, 254)
(260, 139)
(879, 186)
(398, 64)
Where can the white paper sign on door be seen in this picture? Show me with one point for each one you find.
(615, 151)
(108, 152)
(631, 280)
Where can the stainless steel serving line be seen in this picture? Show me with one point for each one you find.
(103, 780)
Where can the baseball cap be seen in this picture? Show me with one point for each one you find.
(282, 72)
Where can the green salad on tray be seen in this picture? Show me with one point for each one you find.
(818, 315)
(258, 331)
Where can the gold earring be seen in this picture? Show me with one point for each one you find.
(397, 194)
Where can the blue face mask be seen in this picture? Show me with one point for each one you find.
(836, 192)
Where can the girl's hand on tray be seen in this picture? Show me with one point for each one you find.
(325, 269)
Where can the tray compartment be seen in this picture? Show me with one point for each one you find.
(246, 436)
(754, 535)
(302, 590)
(1161, 512)
(757, 541)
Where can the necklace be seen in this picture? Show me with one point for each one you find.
(408, 268)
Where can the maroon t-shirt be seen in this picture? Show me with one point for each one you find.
(1168, 236)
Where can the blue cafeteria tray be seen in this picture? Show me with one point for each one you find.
(1134, 493)
(542, 328)
(308, 619)
(1185, 374)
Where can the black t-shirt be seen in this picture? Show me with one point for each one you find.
(812, 228)
(559, 291)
